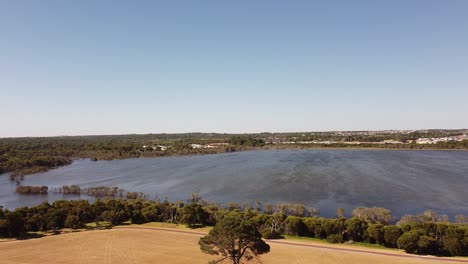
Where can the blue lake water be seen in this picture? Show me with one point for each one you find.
(402, 181)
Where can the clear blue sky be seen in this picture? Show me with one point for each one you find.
(114, 67)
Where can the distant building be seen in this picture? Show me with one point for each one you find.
(391, 141)
(161, 147)
(217, 145)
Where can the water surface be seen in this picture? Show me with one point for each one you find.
(402, 181)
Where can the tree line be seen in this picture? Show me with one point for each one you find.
(428, 233)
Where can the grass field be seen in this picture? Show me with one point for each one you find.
(168, 245)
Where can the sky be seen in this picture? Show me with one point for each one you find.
(117, 67)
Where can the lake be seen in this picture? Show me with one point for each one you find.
(402, 181)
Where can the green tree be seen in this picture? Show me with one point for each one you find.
(427, 245)
(452, 244)
(72, 221)
(356, 228)
(391, 235)
(334, 226)
(193, 214)
(235, 238)
(335, 238)
(376, 233)
(409, 241)
(14, 224)
(294, 226)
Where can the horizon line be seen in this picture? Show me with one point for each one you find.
(234, 133)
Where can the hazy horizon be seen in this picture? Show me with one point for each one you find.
(217, 132)
(115, 67)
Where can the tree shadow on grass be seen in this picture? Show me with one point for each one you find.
(196, 226)
(30, 236)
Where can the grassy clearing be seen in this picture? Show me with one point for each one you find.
(124, 246)
(100, 224)
(324, 242)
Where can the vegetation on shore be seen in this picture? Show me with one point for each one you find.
(428, 233)
(22, 156)
(96, 192)
(32, 189)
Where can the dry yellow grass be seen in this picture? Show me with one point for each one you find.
(134, 246)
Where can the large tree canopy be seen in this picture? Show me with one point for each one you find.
(234, 237)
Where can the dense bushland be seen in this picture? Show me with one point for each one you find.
(31, 155)
(428, 233)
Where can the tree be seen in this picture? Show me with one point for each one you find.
(376, 233)
(376, 215)
(356, 228)
(427, 245)
(432, 216)
(294, 226)
(461, 219)
(14, 224)
(235, 238)
(276, 224)
(72, 221)
(340, 212)
(334, 226)
(391, 235)
(451, 242)
(409, 241)
(193, 214)
(409, 219)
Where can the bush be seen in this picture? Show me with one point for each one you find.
(32, 189)
(268, 234)
(72, 221)
(72, 189)
(391, 235)
(376, 233)
(334, 226)
(452, 244)
(193, 214)
(409, 241)
(335, 239)
(356, 228)
(427, 245)
(294, 226)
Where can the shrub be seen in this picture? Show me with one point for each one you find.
(376, 233)
(267, 233)
(391, 235)
(72, 221)
(356, 228)
(427, 245)
(32, 189)
(336, 238)
(409, 241)
(294, 226)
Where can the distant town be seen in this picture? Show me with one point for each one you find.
(380, 137)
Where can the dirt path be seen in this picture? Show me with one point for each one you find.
(310, 245)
